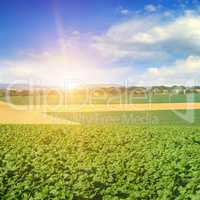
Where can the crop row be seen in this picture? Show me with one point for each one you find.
(99, 162)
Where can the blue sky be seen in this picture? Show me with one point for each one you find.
(100, 41)
(29, 24)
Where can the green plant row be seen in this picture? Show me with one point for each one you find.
(94, 162)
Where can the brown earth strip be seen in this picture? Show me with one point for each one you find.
(9, 115)
(110, 107)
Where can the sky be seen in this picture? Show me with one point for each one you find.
(132, 42)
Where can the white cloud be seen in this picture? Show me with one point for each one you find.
(75, 32)
(168, 48)
(55, 69)
(124, 12)
(168, 14)
(183, 71)
(151, 37)
(151, 8)
(188, 66)
(173, 45)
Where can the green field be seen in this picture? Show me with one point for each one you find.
(99, 162)
(110, 156)
(161, 117)
(81, 99)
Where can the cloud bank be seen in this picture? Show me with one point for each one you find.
(148, 49)
(168, 47)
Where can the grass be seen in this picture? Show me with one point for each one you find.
(80, 99)
(165, 117)
(31, 100)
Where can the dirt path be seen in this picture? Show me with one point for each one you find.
(22, 115)
(9, 115)
(112, 107)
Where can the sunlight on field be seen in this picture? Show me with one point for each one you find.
(38, 114)
(109, 107)
(9, 115)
